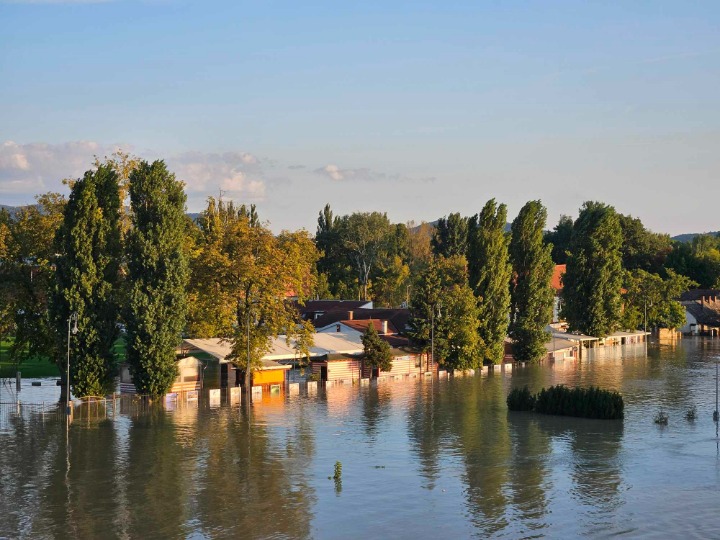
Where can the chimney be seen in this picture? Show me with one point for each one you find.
(384, 327)
(350, 315)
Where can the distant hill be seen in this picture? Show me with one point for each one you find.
(688, 237)
(12, 210)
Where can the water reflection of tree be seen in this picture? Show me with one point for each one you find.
(252, 482)
(375, 401)
(594, 457)
(531, 448)
(30, 450)
(463, 420)
(158, 472)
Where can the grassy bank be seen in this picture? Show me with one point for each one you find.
(31, 367)
(40, 366)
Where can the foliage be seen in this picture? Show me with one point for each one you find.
(661, 418)
(592, 282)
(26, 276)
(642, 249)
(589, 402)
(336, 274)
(337, 471)
(691, 414)
(157, 277)
(241, 277)
(520, 399)
(377, 350)
(699, 260)
(531, 294)
(458, 344)
(451, 236)
(559, 238)
(430, 287)
(391, 286)
(419, 250)
(366, 238)
(490, 271)
(658, 296)
(87, 280)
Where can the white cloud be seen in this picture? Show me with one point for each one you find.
(36, 167)
(365, 174)
(237, 174)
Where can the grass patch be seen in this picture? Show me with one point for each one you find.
(40, 366)
(560, 400)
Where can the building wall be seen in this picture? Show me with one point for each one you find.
(344, 370)
(268, 376)
(689, 320)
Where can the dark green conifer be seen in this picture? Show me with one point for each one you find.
(530, 290)
(593, 279)
(157, 277)
(87, 280)
(490, 270)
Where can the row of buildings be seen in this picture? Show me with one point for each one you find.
(337, 354)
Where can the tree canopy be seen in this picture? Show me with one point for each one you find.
(593, 279)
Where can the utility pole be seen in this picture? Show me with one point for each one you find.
(73, 318)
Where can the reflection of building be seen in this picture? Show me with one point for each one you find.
(702, 312)
(189, 376)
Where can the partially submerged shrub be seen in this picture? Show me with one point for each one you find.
(589, 402)
(661, 418)
(691, 414)
(520, 399)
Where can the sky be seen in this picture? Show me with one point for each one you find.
(417, 109)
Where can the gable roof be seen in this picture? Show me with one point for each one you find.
(704, 314)
(398, 318)
(694, 295)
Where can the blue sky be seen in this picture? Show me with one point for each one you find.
(418, 109)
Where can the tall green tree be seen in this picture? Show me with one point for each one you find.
(451, 236)
(531, 293)
(87, 280)
(336, 276)
(650, 294)
(458, 344)
(592, 282)
(157, 277)
(641, 248)
(377, 350)
(560, 237)
(242, 274)
(26, 276)
(490, 272)
(366, 238)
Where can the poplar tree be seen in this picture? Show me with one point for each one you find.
(87, 280)
(592, 281)
(490, 271)
(157, 276)
(530, 290)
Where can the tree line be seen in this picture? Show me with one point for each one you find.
(121, 252)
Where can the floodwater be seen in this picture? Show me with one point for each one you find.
(420, 459)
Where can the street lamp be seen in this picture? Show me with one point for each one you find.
(72, 328)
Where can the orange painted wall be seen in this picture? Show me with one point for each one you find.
(268, 376)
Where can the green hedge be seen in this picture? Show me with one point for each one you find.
(520, 399)
(560, 400)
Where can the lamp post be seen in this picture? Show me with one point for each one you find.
(72, 328)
